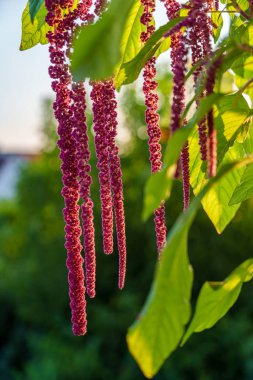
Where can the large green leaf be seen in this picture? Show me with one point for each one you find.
(34, 33)
(34, 6)
(216, 202)
(160, 325)
(215, 299)
(158, 186)
(245, 188)
(131, 43)
(97, 47)
(231, 112)
(130, 71)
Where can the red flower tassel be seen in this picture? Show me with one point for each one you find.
(101, 144)
(152, 120)
(110, 107)
(58, 71)
(83, 156)
(179, 51)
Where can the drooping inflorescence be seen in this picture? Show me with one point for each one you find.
(193, 33)
(70, 108)
(152, 118)
(59, 40)
(179, 52)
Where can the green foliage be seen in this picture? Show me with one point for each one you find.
(34, 26)
(160, 326)
(245, 188)
(215, 299)
(159, 185)
(34, 32)
(95, 57)
(130, 44)
(34, 6)
(112, 48)
(156, 45)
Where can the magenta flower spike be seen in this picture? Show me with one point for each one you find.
(152, 119)
(58, 71)
(212, 135)
(85, 180)
(200, 43)
(179, 51)
(110, 110)
(101, 144)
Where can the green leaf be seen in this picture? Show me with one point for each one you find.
(215, 299)
(159, 185)
(216, 202)
(131, 43)
(245, 189)
(231, 112)
(217, 24)
(35, 32)
(130, 71)
(97, 48)
(34, 6)
(160, 325)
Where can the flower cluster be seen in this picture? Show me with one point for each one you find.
(64, 18)
(179, 52)
(200, 43)
(152, 118)
(59, 40)
(110, 111)
(70, 111)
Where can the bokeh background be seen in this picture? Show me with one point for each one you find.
(36, 341)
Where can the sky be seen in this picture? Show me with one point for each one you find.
(24, 82)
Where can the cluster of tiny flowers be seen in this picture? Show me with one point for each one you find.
(70, 112)
(64, 17)
(152, 118)
(83, 156)
(212, 135)
(200, 43)
(101, 143)
(61, 81)
(110, 111)
(179, 52)
(104, 106)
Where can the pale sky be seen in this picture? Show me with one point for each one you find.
(24, 82)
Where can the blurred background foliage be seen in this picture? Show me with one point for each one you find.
(36, 338)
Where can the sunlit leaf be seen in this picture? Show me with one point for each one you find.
(215, 299)
(34, 33)
(131, 43)
(34, 6)
(131, 70)
(245, 188)
(160, 325)
(231, 112)
(97, 48)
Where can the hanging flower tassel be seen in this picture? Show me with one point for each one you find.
(110, 110)
(212, 134)
(200, 43)
(179, 51)
(58, 71)
(85, 180)
(152, 120)
(101, 144)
